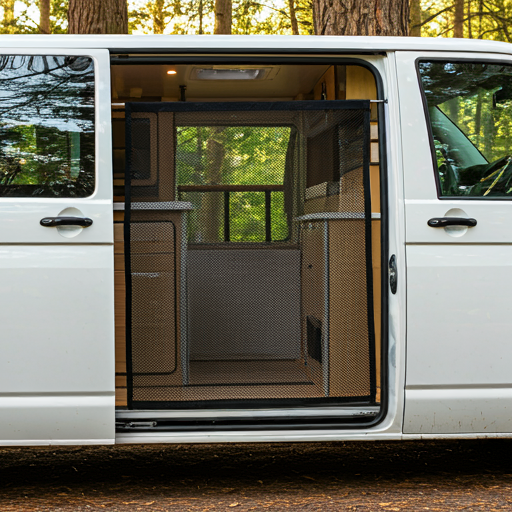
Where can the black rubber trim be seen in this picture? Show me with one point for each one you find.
(246, 106)
(207, 55)
(259, 403)
(128, 265)
(227, 424)
(384, 256)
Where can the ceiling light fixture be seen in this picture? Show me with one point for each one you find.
(171, 72)
(217, 73)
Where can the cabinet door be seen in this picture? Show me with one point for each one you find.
(315, 310)
(56, 248)
(457, 166)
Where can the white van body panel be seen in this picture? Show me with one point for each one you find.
(204, 44)
(458, 290)
(396, 245)
(60, 291)
(57, 304)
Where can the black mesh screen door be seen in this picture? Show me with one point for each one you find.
(248, 254)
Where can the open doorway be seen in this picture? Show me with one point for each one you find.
(247, 234)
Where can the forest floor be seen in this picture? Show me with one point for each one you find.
(362, 476)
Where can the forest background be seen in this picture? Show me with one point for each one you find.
(477, 19)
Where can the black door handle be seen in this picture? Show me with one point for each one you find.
(393, 274)
(442, 222)
(50, 222)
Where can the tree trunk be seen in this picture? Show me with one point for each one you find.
(8, 22)
(415, 20)
(478, 118)
(223, 15)
(480, 10)
(458, 22)
(361, 17)
(44, 16)
(98, 17)
(200, 13)
(158, 17)
(470, 21)
(293, 18)
(212, 202)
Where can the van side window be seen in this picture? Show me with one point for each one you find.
(46, 126)
(470, 114)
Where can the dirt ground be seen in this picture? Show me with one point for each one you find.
(435, 476)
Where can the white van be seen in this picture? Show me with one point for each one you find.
(224, 238)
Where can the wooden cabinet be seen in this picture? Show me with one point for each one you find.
(336, 329)
(158, 349)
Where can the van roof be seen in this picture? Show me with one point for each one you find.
(250, 44)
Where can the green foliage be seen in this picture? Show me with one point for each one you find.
(147, 17)
(25, 17)
(477, 99)
(59, 16)
(197, 17)
(489, 19)
(252, 154)
(270, 17)
(46, 126)
(234, 155)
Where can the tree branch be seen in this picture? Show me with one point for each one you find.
(430, 18)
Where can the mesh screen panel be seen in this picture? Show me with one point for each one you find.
(248, 256)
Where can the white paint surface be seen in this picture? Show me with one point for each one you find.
(57, 303)
(459, 296)
(263, 43)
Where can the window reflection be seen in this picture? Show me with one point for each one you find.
(470, 111)
(46, 126)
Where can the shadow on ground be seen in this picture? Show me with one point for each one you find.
(435, 476)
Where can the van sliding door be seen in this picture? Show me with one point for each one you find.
(248, 254)
(458, 188)
(56, 254)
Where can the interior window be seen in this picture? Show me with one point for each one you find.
(234, 176)
(470, 113)
(46, 126)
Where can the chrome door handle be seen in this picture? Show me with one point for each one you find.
(442, 222)
(50, 222)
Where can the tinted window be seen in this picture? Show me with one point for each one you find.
(46, 126)
(470, 112)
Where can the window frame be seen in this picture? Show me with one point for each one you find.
(428, 121)
(267, 187)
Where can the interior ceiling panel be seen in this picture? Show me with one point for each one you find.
(288, 82)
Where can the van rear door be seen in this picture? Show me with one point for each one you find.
(56, 248)
(458, 190)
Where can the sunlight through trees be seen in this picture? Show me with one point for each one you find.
(476, 19)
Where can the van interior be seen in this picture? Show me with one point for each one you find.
(247, 234)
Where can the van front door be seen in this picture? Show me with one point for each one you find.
(456, 113)
(56, 248)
